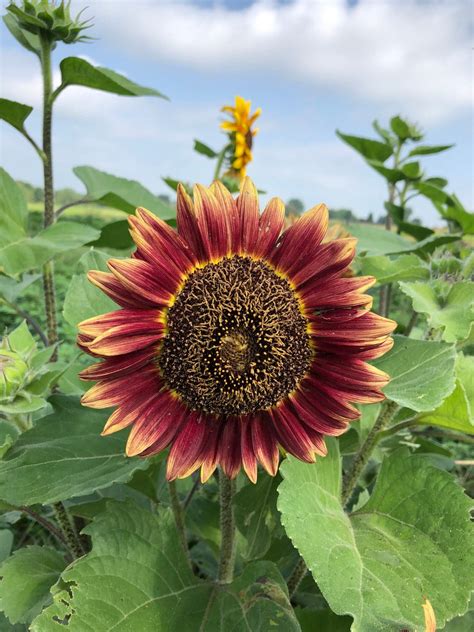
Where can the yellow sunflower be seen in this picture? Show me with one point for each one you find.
(240, 131)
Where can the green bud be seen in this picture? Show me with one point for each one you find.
(13, 373)
(47, 19)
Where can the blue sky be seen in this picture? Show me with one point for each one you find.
(312, 66)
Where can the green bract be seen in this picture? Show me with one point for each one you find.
(49, 20)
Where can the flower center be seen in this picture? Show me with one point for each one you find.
(237, 340)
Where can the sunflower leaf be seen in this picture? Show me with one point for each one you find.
(411, 540)
(35, 569)
(143, 568)
(64, 456)
(421, 372)
(403, 268)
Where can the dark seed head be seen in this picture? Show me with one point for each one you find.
(237, 340)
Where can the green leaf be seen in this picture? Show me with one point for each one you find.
(412, 170)
(382, 132)
(10, 289)
(83, 299)
(322, 621)
(457, 410)
(390, 174)
(14, 113)
(432, 192)
(454, 311)
(115, 235)
(415, 230)
(412, 540)
(30, 41)
(64, 456)
(32, 252)
(375, 240)
(143, 569)
(370, 149)
(437, 182)
(6, 543)
(456, 212)
(204, 149)
(255, 507)
(13, 210)
(421, 372)
(403, 268)
(400, 127)
(8, 436)
(423, 150)
(27, 577)
(126, 195)
(79, 72)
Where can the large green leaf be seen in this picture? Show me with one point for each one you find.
(370, 149)
(412, 540)
(403, 268)
(126, 195)
(457, 410)
(137, 578)
(30, 41)
(421, 372)
(10, 289)
(64, 456)
(255, 508)
(32, 252)
(374, 240)
(14, 113)
(454, 311)
(13, 210)
(27, 577)
(79, 72)
(115, 235)
(389, 173)
(83, 299)
(455, 211)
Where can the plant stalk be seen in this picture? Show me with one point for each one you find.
(220, 160)
(178, 513)
(362, 457)
(227, 523)
(48, 220)
(68, 530)
(49, 526)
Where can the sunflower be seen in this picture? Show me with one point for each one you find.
(233, 339)
(241, 134)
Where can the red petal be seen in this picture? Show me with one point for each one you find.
(129, 411)
(329, 259)
(308, 409)
(118, 341)
(265, 443)
(157, 425)
(112, 392)
(188, 225)
(249, 461)
(188, 449)
(291, 434)
(300, 241)
(247, 205)
(141, 277)
(370, 328)
(228, 206)
(339, 292)
(117, 292)
(97, 325)
(210, 452)
(229, 455)
(116, 367)
(269, 227)
(348, 372)
(212, 222)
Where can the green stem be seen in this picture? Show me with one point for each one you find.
(48, 270)
(227, 523)
(49, 526)
(220, 160)
(68, 530)
(362, 457)
(296, 577)
(178, 513)
(30, 320)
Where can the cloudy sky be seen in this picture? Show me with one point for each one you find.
(311, 65)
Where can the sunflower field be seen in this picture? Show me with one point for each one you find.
(219, 414)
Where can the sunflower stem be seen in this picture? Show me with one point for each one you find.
(220, 160)
(227, 522)
(178, 513)
(68, 530)
(362, 457)
(296, 577)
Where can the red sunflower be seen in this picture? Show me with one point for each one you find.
(233, 338)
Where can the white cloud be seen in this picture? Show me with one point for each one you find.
(413, 54)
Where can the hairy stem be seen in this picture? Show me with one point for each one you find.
(68, 530)
(227, 523)
(296, 577)
(178, 513)
(49, 526)
(48, 270)
(362, 457)
(34, 324)
(71, 204)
